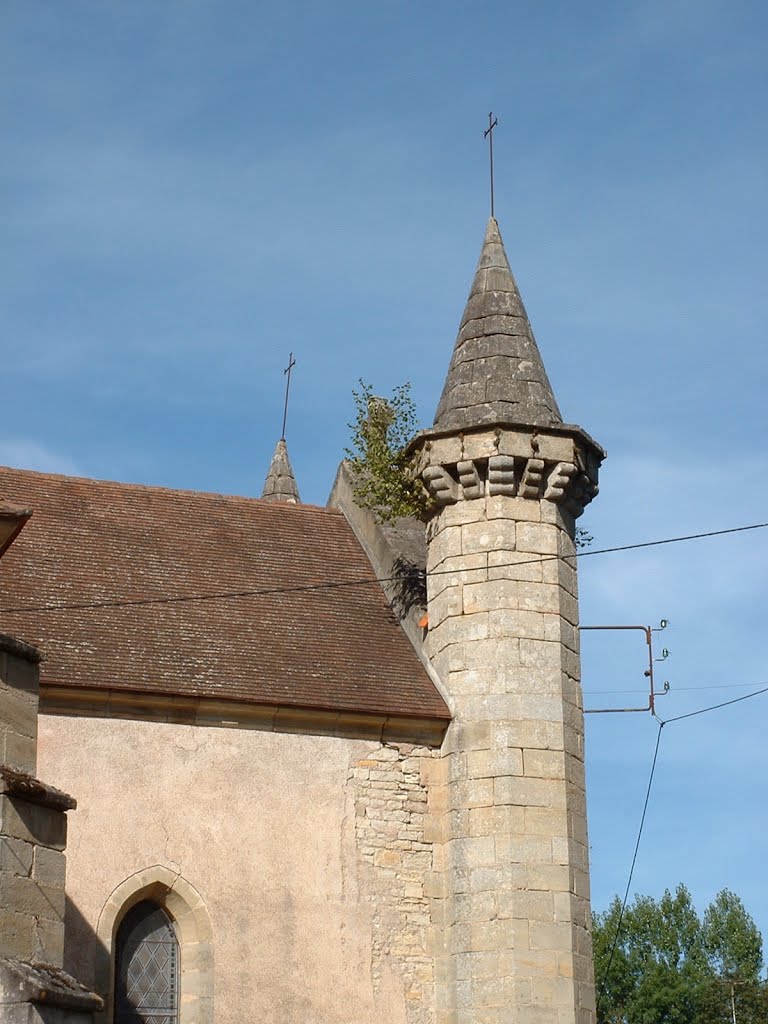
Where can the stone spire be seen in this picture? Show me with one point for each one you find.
(496, 373)
(280, 484)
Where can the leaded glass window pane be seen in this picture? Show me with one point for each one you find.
(147, 968)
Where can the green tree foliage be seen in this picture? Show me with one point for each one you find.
(672, 967)
(385, 481)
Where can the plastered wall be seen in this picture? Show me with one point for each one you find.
(311, 919)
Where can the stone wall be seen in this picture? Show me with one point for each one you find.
(391, 787)
(33, 834)
(33, 823)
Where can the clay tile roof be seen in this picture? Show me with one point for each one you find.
(339, 649)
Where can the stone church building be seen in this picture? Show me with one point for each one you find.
(303, 797)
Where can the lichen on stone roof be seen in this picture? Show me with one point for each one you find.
(496, 373)
(280, 484)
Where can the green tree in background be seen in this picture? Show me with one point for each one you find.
(672, 967)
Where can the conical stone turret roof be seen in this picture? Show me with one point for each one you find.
(496, 373)
(280, 484)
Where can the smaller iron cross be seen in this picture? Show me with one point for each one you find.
(287, 373)
(488, 134)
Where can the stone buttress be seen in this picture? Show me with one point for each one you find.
(511, 885)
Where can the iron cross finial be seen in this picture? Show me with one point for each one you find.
(287, 375)
(488, 134)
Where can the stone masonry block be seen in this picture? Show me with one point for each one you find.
(543, 821)
(487, 708)
(445, 545)
(15, 856)
(493, 879)
(50, 866)
(18, 751)
(471, 793)
(558, 630)
(444, 606)
(514, 565)
(525, 792)
(533, 706)
(532, 963)
(32, 823)
(555, 570)
(577, 828)
(514, 622)
(555, 993)
(495, 657)
(49, 937)
(483, 764)
(520, 510)
(572, 692)
(569, 607)
(471, 681)
(527, 734)
(462, 512)
(19, 673)
(18, 711)
(531, 906)
(493, 993)
(490, 596)
(496, 821)
(565, 907)
(18, 933)
(567, 851)
(540, 538)
(543, 655)
(462, 629)
(544, 764)
(489, 535)
(474, 851)
(476, 965)
(490, 936)
(463, 736)
(550, 877)
(26, 896)
(551, 936)
(523, 850)
(538, 597)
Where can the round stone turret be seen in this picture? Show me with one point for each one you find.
(508, 478)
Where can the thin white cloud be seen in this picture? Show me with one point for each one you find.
(25, 454)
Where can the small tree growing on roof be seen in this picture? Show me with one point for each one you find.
(385, 479)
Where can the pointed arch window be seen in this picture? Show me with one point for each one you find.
(147, 967)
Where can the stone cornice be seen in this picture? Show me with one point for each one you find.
(26, 787)
(104, 703)
(530, 429)
(557, 464)
(19, 648)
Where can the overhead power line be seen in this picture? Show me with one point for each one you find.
(607, 971)
(662, 723)
(227, 595)
(715, 707)
(679, 689)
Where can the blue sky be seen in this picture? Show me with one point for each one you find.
(191, 189)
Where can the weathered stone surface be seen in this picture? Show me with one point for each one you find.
(280, 483)
(32, 823)
(496, 373)
(512, 832)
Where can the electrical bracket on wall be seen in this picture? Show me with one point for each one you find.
(653, 693)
